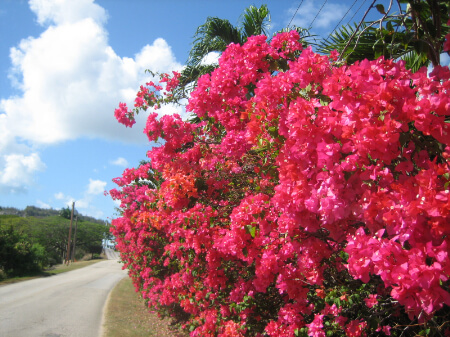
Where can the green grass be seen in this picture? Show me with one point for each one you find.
(62, 268)
(126, 315)
(58, 269)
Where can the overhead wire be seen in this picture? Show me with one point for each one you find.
(295, 13)
(356, 11)
(342, 19)
(310, 25)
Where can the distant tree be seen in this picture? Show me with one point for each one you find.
(90, 236)
(65, 212)
(51, 233)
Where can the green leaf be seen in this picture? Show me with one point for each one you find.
(252, 231)
(389, 26)
(373, 323)
(273, 131)
(380, 8)
(245, 251)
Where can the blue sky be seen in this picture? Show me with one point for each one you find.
(66, 64)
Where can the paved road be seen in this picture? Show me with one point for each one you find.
(111, 254)
(68, 304)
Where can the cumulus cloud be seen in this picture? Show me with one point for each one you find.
(60, 11)
(96, 187)
(59, 196)
(85, 204)
(120, 162)
(70, 81)
(18, 169)
(326, 20)
(210, 58)
(42, 204)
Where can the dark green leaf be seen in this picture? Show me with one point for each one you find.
(380, 8)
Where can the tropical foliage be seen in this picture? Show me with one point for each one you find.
(50, 234)
(415, 33)
(18, 256)
(215, 35)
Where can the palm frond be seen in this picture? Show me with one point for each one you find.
(214, 35)
(255, 21)
(415, 61)
(367, 43)
(190, 72)
(341, 37)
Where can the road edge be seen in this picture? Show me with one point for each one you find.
(101, 332)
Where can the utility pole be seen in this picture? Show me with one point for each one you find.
(74, 238)
(70, 232)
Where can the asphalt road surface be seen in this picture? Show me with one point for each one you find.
(68, 304)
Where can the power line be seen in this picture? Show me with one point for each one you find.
(294, 14)
(342, 19)
(310, 25)
(357, 28)
(356, 11)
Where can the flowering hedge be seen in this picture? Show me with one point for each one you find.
(306, 198)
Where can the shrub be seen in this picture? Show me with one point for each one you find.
(305, 197)
(18, 257)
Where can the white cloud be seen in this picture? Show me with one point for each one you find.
(59, 196)
(61, 11)
(210, 58)
(96, 187)
(85, 205)
(71, 81)
(18, 170)
(120, 162)
(325, 21)
(42, 204)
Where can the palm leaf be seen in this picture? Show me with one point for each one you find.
(369, 43)
(361, 46)
(415, 61)
(255, 21)
(214, 35)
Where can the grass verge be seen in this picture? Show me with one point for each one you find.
(126, 315)
(58, 269)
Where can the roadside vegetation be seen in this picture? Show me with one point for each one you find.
(54, 270)
(34, 240)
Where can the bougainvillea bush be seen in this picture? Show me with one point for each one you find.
(303, 198)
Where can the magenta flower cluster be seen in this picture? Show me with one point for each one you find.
(307, 198)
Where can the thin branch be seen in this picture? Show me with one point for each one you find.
(373, 23)
(385, 15)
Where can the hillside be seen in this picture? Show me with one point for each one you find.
(44, 212)
(47, 230)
